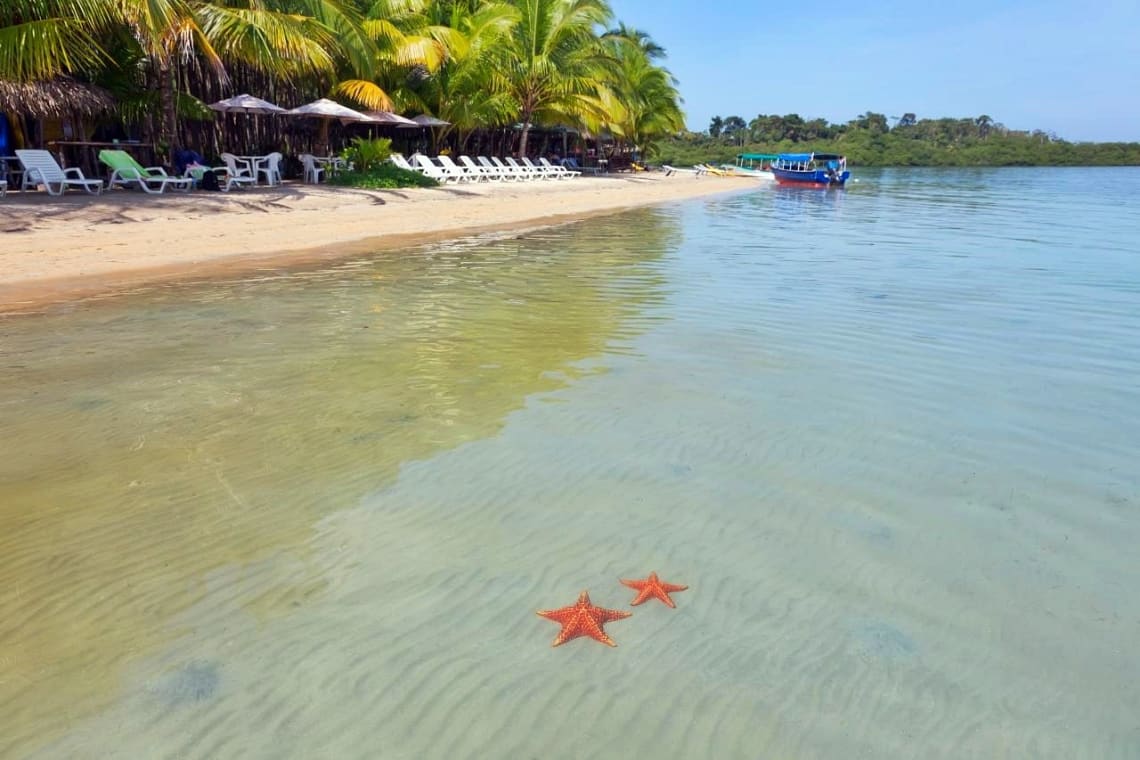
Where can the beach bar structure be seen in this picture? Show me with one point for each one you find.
(58, 114)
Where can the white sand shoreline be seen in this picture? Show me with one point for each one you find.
(57, 249)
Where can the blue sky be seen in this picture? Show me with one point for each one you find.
(1067, 67)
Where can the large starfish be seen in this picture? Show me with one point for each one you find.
(583, 619)
(653, 588)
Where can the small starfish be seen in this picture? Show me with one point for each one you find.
(583, 619)
(653, 588)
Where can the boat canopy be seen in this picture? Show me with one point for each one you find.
(805, 157)
(757, 156)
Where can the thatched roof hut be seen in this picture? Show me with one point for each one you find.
(53, 99)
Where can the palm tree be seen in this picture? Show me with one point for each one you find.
(462, 91)
(552, 63)
(288, 40)
(641, 99)
(984, 124)
(716, 126)
(42, 39)
(642, 40)
(734, 127)
(411, 41)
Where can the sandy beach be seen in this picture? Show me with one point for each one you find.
(61, 248)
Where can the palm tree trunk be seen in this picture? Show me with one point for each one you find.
(166, 97)
(525, 132)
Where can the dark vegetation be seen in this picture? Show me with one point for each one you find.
(872, 140)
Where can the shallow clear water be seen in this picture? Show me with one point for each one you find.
(887, 436)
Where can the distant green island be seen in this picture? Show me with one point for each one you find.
(872, 140)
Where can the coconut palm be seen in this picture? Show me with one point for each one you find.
(553, 62)
(641, 99)
(42, 39)
(289, 40)
(462, 91)
(411, 43)
(641, 39)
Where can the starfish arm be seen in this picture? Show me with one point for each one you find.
(568, 632)
(591, 628)
(644, 595)
(659, 593)
(608, 616)
(671, 587)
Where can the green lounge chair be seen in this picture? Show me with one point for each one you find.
(125, 171)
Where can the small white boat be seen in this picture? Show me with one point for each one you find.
(741, 171)
(755, 165)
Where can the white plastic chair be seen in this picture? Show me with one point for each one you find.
(312, 173)
(270, 166)
(3, 187)
(237, 176)
(40, 168)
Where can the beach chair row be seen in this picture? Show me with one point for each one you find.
(483, 169)
(41, 168)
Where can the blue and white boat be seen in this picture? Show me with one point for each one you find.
(811, 169)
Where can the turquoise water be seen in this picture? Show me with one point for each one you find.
(887, 436)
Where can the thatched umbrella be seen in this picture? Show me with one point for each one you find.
(326, 110)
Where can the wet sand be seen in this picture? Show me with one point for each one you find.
(55, 249)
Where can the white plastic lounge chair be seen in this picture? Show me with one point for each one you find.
(544, 172)
(441, 172)
(671, 170)
(505, 172)
(489, 173)
(40, 168)
(312, 173)
(125, 170)
(431, 170)
(520, 174)
(271, 168)
(527, 172)
(572, 164)
(467, 173)
(559, 171)
(401, 162)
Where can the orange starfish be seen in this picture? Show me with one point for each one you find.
(583, 619)
(653, 588)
